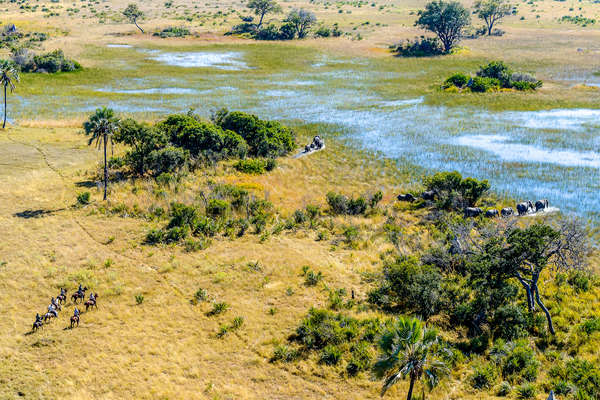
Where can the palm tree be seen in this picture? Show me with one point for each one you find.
(9, 75)
(100, 127)
(410, 349)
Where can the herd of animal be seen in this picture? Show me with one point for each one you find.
(524, 208)
(57, 303)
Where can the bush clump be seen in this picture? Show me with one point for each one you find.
(418, 47)
(173, 31)
(492, 77)
(52, 62)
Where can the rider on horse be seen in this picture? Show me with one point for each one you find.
(63, 293)
(76, 312)
(38, 318)
(52, 310)
(92, 297)
(53, 302)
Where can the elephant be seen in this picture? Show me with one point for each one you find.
(541, 205)
(429, 195)
(406, 197)
(473, 212)
(523, 208)
(492, 213)
(507, 212)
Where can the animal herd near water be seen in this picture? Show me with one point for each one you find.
(56, 305)
(522, 209)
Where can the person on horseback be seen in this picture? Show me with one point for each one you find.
(38, 318)
(52, 310)
(92, 297)
(53, 302)
(76, 312)
(80, 289)
(63, 293)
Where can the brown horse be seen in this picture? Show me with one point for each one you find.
(49, 315)
(62, 298)
(74, 320)
(77, 295)
(91, 303)
(37, 325)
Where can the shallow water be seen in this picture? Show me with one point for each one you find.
(553, 154)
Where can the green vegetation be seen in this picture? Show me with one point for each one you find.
(446, 19)
(133, 14)
(492, 11)
(173, 31)
(52, 62)
(9, 76)
(492, 77)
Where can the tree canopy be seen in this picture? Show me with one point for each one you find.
(491, 11)
(446, 19)
(262, 8)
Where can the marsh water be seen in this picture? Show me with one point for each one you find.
(553, 154)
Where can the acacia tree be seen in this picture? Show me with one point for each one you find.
(446, 19)
(302, 20)
(133, 13)
(9, 75)
(411, 350)
(100, 127)
(262, 8)
(492, 11)
(529, 251)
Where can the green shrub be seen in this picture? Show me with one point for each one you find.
(418, 47)
(217, 208)
(264, 138)
(52, 62)
(581, 281)
(408, 286)
(496, 70)
(331, 355)
(483, 376)
(173, 31)
(591, 325)
(509, 322)
(251, 166)
(139, 299)
(361, 358)
(481, 85)
(219, 308)
(458, 80)
(201, 295)
(155, 236)
(166, 160)
(504, 389)
(323, 32)
(83, 198)
(237, 323)
(526, 391)
(312, 278)
(520, 362)
(284, 353)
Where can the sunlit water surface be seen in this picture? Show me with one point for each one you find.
(553, 154)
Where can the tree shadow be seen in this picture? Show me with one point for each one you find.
(87, 184)
(35, 213)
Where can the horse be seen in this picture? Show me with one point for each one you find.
(62, 298)
(49, 315)
(79, 295)
(74, 320)
(91, 303)
(37, 325)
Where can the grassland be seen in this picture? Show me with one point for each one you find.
(167, 347)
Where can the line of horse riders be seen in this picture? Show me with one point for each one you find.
(526, 207)
(56, 305)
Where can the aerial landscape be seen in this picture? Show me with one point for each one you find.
(300, 199)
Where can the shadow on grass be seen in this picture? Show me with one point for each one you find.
(35, 213)
(87, 184)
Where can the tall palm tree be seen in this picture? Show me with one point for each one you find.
(410, 349)
(9, 75)
(100, 127)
